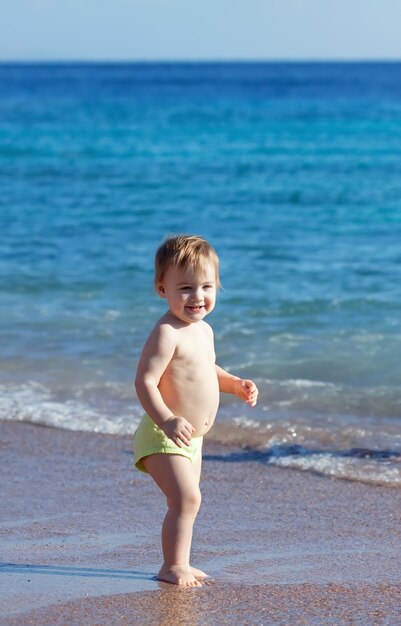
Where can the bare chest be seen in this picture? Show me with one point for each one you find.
(194, 356)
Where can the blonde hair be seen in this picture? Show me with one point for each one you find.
(185, 251)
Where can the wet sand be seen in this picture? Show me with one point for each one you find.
(80, 543)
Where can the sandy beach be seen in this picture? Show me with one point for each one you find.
(80, 540)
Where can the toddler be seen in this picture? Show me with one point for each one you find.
(178, 385)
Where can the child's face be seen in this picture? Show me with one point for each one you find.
(190, 294)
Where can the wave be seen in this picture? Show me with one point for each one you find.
(372, 467)
(366, 451)
(365, 468)
(32, 402)
(316, 397)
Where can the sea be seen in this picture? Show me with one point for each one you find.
(291, 170)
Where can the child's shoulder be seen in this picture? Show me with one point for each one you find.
(207, 327)
(163, 336)
(207, 331)
(167, 326)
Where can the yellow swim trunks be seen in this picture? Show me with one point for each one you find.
(150, 439)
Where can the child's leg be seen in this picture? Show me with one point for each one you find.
(197, 467)
(178, 479)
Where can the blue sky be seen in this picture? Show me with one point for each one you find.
(206, 29)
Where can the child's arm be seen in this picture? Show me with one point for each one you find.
(156, 355)
(243, 388)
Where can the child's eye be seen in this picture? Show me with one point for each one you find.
(185, 288)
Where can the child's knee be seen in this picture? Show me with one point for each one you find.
(188, 502)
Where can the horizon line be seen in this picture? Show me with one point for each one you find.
(200, 60)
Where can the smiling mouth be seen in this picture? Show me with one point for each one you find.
(195, 308)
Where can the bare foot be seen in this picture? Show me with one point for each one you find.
(198, 573)
(178, 575)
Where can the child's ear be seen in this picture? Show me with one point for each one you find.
(161, 290)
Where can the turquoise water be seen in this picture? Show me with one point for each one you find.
(292, 171)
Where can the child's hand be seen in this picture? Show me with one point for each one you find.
(179, 430)
(247, 391)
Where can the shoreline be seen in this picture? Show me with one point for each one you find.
(80, 537)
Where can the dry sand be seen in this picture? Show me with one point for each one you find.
(80, 540)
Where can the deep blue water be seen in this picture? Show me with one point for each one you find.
(292, 171)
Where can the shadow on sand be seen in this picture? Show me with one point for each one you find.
(58, 570)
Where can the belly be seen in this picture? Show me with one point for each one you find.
(196, 399)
